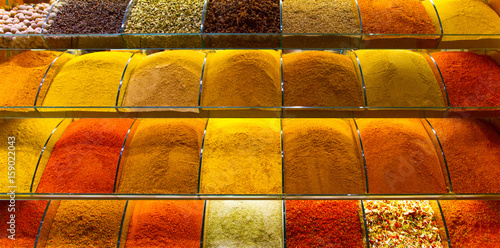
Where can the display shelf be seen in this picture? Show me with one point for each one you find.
(440, 39)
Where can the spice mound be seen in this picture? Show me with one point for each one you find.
(320, 16)
(244, 224)
(321, 156)
(473, 224)
(472, 150)
(88, 80)
(320, 79)
(467, 17)
(245, 16)
(22, 75)
(89, 17)
(162, 16)
(242, 78)
(472, 80)
(165, 224)
(400, 157)
(402, 224)
(86, 224)
(28, 216)
(242, 156)
(399, 78)
(323, 224)
(166, 79)
(30, 136)
(163, 157)
(395, 17)
(85, 158)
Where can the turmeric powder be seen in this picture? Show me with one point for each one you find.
(90, 80)
(242, 78)
(22, 75)
(163, 157)
(30, 137)
(242, 156)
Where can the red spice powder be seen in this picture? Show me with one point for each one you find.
(28, 215)
(323, 224)
(472, 150)
(473, 224)
(165, 224)
(85, 158)
(395, 17)
(472, 80)
(400, 157)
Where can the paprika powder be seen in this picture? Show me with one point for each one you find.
(85, 158)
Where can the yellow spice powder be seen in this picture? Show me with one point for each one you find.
(90, 80)
(242, 156)
(30, 137)
(166, 79)
(242, 78)
(399, 78)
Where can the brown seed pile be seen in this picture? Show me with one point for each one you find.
(243, 16)
(90, 17)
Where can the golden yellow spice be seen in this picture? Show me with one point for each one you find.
(166, 79)
(90, 80)
(242, 78)
(242, 156)
(30, 137)
(163, 157)
(399, 78)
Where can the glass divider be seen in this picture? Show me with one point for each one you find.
(201, 81)
(365, 224)
(44, 76)
(282, 160)
(281, 27)
(363, 155)
(362, 78)
(46, 224)
(205, 6)
(444, 223)
(121, 233)
(442, 153)
(442, 80)
(130, 5)
(126, 142)
(440, 23)
(201, 156)
(360, 24)
(42, 32)
(41, 223)
(121, 81)
(284, 223)
(53, 141)
(203, 223)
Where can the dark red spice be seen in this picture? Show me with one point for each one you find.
(472, 80)
(323, 224)
(473, 224)
(166, 224)
(28, 215)
(85, 158)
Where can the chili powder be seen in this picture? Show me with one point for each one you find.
(400, 157)
(472, 80)
(165, 224)
(472, 150)
(85, 158)
(323, 224)
(473, 224)
(28, 216)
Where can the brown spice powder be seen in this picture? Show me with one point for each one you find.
(321, 156)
